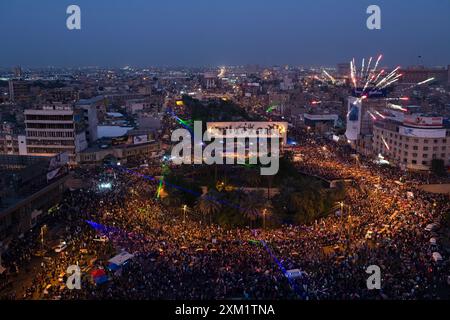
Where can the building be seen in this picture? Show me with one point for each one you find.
(135, 105)
(359, 123)
(90, 107)
(412, 142)
(321, 123)
(13, 144)
(419, 74)
(122, 153)
(27, 192)
(19, 91)
(210, 80)
(55, 129)
(343, 69)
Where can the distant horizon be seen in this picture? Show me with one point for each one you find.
(25, 67)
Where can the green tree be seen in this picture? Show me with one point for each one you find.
(438, 167)
(252, 206)
(208, 204)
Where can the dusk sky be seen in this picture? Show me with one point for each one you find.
(227, 32)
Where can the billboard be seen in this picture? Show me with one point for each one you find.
(370, 93)
(422, 133)
(219, 128)
(421, 121)
(140, 139)
(353, 118)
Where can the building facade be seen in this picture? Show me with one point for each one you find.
(412, 143)
(55, 129)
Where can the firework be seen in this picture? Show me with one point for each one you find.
(385, 143)
(371, 114)
(383, 117)
(369, 78)
(329, 76)
(396, 107)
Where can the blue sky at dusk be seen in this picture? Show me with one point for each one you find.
(229, 32)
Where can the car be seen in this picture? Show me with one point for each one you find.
(61, 247)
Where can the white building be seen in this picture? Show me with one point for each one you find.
(55, 129)
(413, 142)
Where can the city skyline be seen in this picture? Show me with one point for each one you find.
(203, 34)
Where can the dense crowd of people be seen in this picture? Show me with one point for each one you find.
(380, 224)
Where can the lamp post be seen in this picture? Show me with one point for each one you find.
(43, 229)
(264, 218)
(184, 213)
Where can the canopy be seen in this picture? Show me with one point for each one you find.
(113, 267)
(294, 274)
(101, 280)
(98, 273)
(121, 258)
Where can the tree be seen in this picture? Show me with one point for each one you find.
(438, 167)
(252, 206)
(208, 204)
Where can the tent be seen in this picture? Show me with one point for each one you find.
(113, 267)
(121, 258)
(101, 279)
(98, 273)
(295, 274)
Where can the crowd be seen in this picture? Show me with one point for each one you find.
(379, 225)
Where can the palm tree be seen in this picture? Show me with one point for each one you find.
(252, 206)
(208, 204)
(252, 178)
(267, 212)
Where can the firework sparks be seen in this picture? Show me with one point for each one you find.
(385, 143)
(329, 76)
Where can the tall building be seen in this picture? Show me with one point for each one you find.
(17, 72)
(419, 74)
(89, 107)
(210, 80)
(55, 129)
(18, 91)
(27, 191)
(343, 69)
(360, 122)
(412, 142)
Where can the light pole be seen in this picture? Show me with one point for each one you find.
(184, 213)
(264, 218)
(342, 215)
(43, 228)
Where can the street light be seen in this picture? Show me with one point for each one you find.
(184, 213)
(264, 218)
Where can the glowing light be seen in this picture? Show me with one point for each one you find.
(385, 143)
(105, 185)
